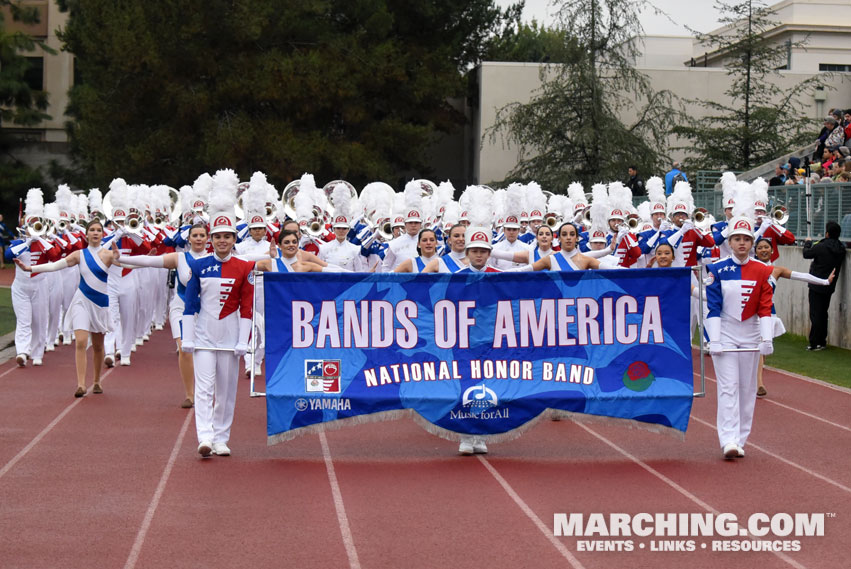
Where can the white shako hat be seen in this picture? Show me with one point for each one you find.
(201, 188)
(760, 187)
(254, 201)
(656, 195)
(413, 208)
(514, 199)
(118, 199)
(222, 201)
(341, 197)
(477, 236)
(740, 225)
(728, 188)
(576, 193)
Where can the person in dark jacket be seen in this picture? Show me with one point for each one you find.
(827, 255)
(635, 183)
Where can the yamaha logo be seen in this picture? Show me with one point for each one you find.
(759, 205)
(658, 207)
(414, 213)
(340, 219)
(479, 237)
(222, 220)
(198, 203)
(118, 212)
(400, 220)
(511, 219)
(598, 234)
(537, 213)
(463, 214)
(680, 207)
(617, 212)
(257, 219)
(742, 224)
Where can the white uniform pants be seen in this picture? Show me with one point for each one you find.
(54, 305)
(70, 284)
(736, 374)
(215, 394)
(122, 309)
(29, 300)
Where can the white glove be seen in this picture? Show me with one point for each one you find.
(187, 346)
(726, 231)
(766, 347)
(665, 225)
(687, 225)
(241, 347)
(715, 349)
(187, 330)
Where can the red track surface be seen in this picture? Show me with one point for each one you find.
(113, 480)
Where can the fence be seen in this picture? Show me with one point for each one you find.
(830, 202)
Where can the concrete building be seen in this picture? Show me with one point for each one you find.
(53, 73)
(684, 66)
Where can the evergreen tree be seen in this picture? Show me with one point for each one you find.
(353, 89)
(594, 115)
(531, 43)
(761, 120)
(20, 105)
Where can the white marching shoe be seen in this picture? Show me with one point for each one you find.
(125, 361)
(205, 449)
(221, 449)
(37, 362)
(731, 451)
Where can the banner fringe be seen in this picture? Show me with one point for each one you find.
(425, 424)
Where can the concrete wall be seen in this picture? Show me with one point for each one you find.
(792, 304)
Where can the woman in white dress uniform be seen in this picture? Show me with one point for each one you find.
(88, 311)
(198, 237)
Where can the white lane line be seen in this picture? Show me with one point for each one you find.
(155, 501)
(342, 519)
(805, 413)
(785, 460)
(548, 533)
(8, 466)
(678, 488)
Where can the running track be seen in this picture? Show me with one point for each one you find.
(113, 481)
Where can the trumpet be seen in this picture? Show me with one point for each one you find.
(133, 224)
(385, 229)
(62, 225)
(552, 220)
(779, 214)
(633, 222)
(701, 218)
(37, 228)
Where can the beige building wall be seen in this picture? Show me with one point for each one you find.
(501, 84)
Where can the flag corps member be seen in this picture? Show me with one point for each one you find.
(739, 298)
(216, 327)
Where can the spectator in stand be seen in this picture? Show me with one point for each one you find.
(836, 138)
(791, 175)
(674, 176)
(635, 183)
(779, 178)
(846, 123)
(827, 255)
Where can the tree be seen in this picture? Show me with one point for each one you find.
(573, 129)
(20, 105)
(531, 43)
(761, 120)
(340, 88)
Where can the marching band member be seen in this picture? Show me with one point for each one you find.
(767, 228)
(341, 252)
(511, 228)
(426, 253)
(405, 245)
(29, 291)
(569, 258)
(685, 238)
(123, 286)
(763, 251)
(288, 261)
(649, 238)
(254, 203)
(216, 323)
(729, 187)
(88, 310)
(543, 247)
(739, 297)
(455, 260)
(198, 238)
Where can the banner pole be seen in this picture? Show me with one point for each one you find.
(702, 392)
(258, 275)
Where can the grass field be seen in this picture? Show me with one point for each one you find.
(7, 315)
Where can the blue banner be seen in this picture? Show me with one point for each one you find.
(479, 354)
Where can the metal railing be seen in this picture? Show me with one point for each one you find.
(830, 202)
